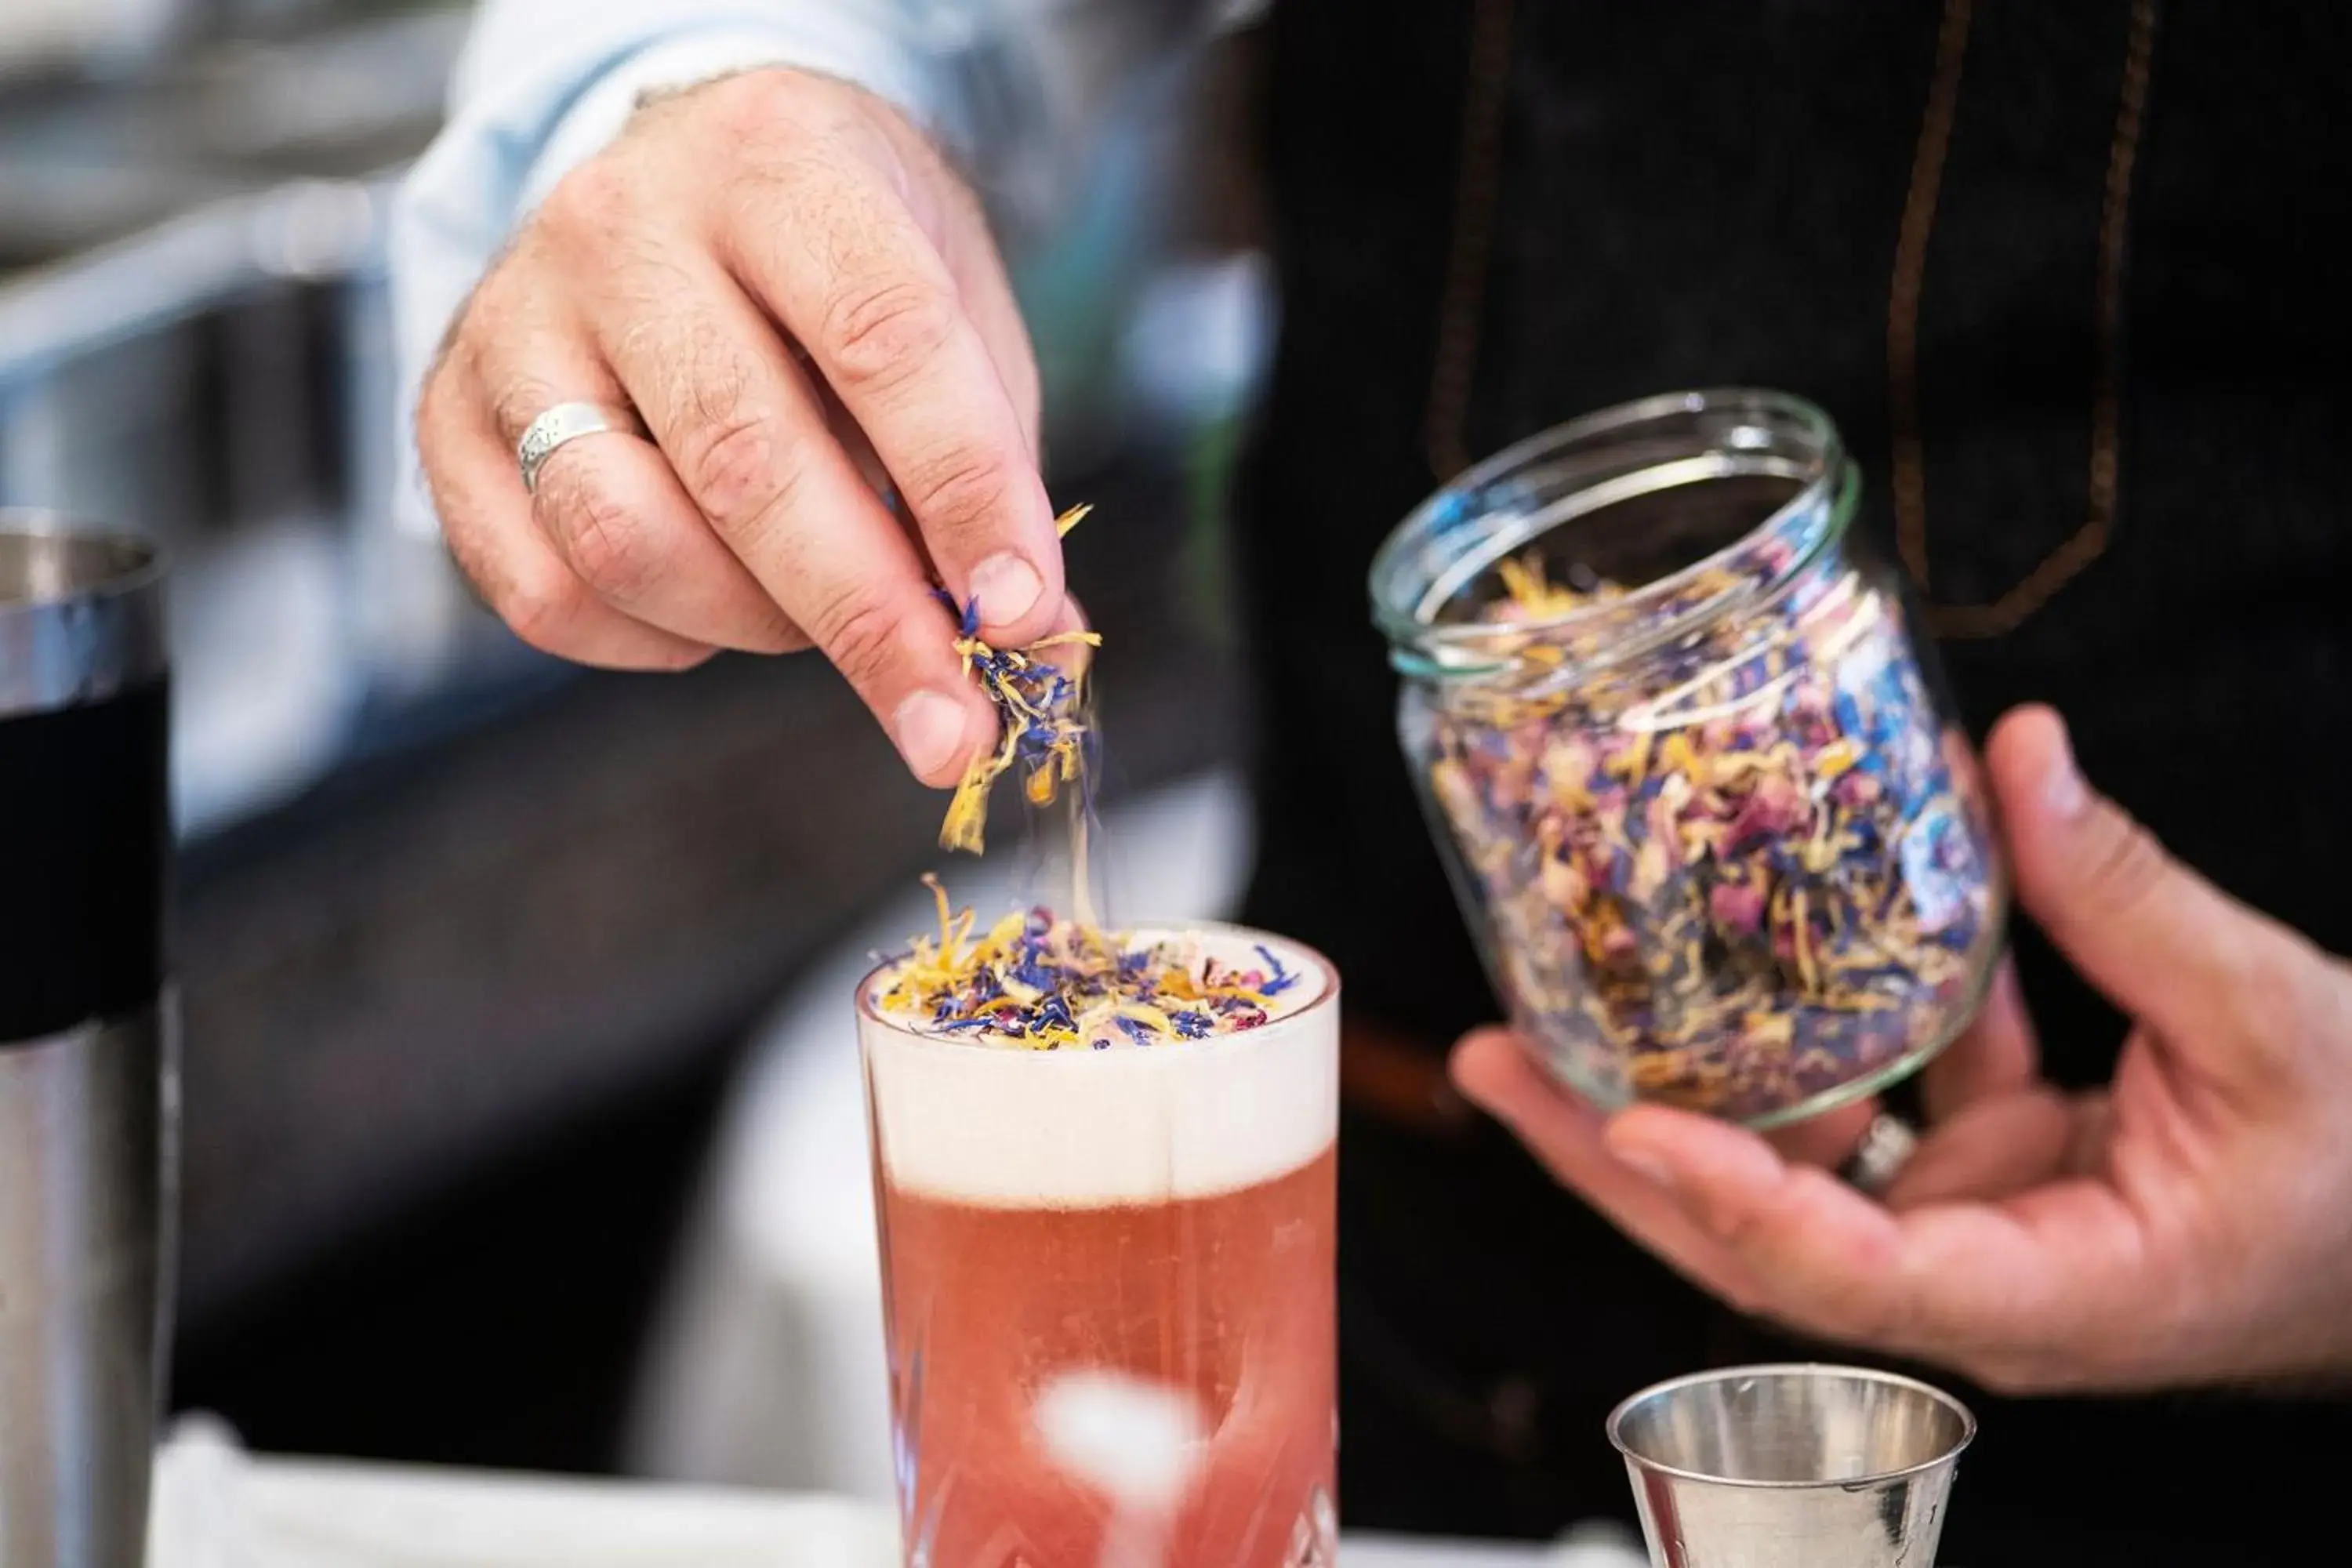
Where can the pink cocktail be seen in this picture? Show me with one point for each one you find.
(1108, 1287)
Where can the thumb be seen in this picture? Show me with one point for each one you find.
(2163, 943)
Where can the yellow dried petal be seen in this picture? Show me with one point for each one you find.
(966, 827)
(1803, 933)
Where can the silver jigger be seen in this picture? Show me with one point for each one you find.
(1792, 1467)
(87, 1083)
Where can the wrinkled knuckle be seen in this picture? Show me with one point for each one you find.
(962, 493)
(2129, 869)
(710, 375)
(541, 609)
(876, 334)
(729, 467)
(752, 107)
(611, 546)
(775, 633)
(741, 105)
(860, 636)
(586, 208)
(517, 401)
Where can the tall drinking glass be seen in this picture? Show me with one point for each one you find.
(1108, 1288)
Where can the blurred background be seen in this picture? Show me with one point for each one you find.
(521, 1128)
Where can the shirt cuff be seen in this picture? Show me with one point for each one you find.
(875, 60)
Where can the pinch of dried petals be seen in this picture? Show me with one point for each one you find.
(1044, 719)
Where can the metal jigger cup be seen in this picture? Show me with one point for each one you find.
(1792, 1467)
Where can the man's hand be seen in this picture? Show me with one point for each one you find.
(803, 305)
(2191, 1224)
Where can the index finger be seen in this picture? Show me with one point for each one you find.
(747, 437)
(849, 271)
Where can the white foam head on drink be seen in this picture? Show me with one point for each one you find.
(1002, 1126)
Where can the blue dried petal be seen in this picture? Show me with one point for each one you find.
(1282, 979)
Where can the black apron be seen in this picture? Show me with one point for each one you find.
(1489, 222)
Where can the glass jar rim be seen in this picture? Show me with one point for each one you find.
(1407, 592)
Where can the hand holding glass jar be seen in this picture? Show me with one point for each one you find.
(2181, 1225)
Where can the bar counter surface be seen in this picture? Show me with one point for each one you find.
(217, 1505)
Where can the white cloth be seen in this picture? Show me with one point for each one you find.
(217, 1506)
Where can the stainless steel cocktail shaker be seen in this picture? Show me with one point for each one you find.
(87, 1081)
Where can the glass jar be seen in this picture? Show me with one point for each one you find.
(1698, 788)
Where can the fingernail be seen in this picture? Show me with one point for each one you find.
(2064, 790)
(1007, 588)
(929, 731)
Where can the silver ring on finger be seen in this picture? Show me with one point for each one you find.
(1886, 1146)
(566, 422)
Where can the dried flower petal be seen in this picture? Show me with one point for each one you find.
(1044, 719)
(1741, 869)
(1045, 983)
